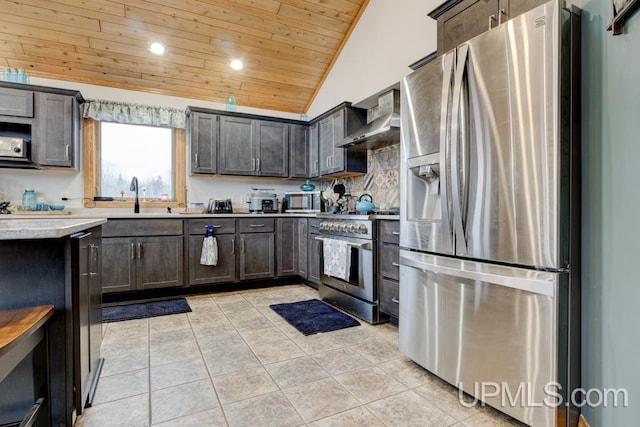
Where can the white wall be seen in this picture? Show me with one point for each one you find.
(610, 213)
(389, 37)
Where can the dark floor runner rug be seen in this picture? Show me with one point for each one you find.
(313, 316)
(144, 310)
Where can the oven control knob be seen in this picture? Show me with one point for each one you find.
(351, 228)
(322, 226)
(342, 227)
(362, 229)
(333, 226)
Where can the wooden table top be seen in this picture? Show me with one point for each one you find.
(21, 323)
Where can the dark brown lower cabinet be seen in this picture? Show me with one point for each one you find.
(303, 248)
(314, 253)
(315, 259)
(388, 266)
(87, 314)
(140, 263)
(223, 272)
(287, 253)
(257, 248)
(257, 259)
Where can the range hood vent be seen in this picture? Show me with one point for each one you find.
(383, 127)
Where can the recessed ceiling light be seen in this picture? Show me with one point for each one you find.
(236, 64)
(157, 48)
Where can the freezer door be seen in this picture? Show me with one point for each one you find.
(483, 328)
(424, 167)
(506, 154)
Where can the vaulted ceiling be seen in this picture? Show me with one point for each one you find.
(288, 46)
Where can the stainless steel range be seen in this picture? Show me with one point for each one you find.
(356, 291)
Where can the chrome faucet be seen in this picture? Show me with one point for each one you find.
(134, 187)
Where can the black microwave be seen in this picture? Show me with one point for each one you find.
(303, 201)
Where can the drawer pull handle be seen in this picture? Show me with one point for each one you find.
(31, 417)
(133, 251)
(396, 300)
(395, 264)
(395, 233)
(256, 225)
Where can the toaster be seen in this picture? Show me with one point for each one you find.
(217, 206)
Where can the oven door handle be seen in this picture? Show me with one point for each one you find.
(365, 246)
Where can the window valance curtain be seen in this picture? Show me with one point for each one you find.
(134, 114)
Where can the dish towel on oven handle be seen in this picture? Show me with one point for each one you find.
(209, 254)
(337, 258)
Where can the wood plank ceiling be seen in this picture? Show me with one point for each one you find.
(288, 46)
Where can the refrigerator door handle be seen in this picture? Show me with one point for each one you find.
(448, 66)
(457, 140)
(537, 282)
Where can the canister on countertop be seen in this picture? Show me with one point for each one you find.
(29, 200)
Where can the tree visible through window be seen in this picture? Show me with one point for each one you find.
(134, 150)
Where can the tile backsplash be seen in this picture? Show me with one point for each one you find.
(382, 181)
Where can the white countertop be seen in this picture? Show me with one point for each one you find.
(49, 228)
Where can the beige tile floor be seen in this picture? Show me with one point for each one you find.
(232, 361)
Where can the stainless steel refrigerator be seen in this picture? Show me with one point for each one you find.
(490, 224)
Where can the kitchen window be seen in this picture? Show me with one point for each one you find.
(135, 150)
(114, 153)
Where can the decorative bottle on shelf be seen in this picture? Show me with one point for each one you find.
(307, 186)
(29, 200)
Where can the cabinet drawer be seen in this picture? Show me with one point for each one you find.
(389, 297)
(257, 225)
(389, 231)
(221, 225)
(389, 256)
(142, 227)
(17, 103)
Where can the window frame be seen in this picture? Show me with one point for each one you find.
(91, 170)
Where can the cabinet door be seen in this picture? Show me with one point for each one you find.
(465, 21)
(236, 155)
(16, 102)
(314, 153)
(118, 264)
(272, 148)
(325, 141)
(315, 258)
(257, 259)
(82, 310)
(299, 151)
(159, 262)
(337, 163)
(87, 306)
(287, 247)
(54, 138)
(303, 248)
(223, 272)
(203, 140)
(95, 289)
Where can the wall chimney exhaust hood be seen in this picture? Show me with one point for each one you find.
(383, 124)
